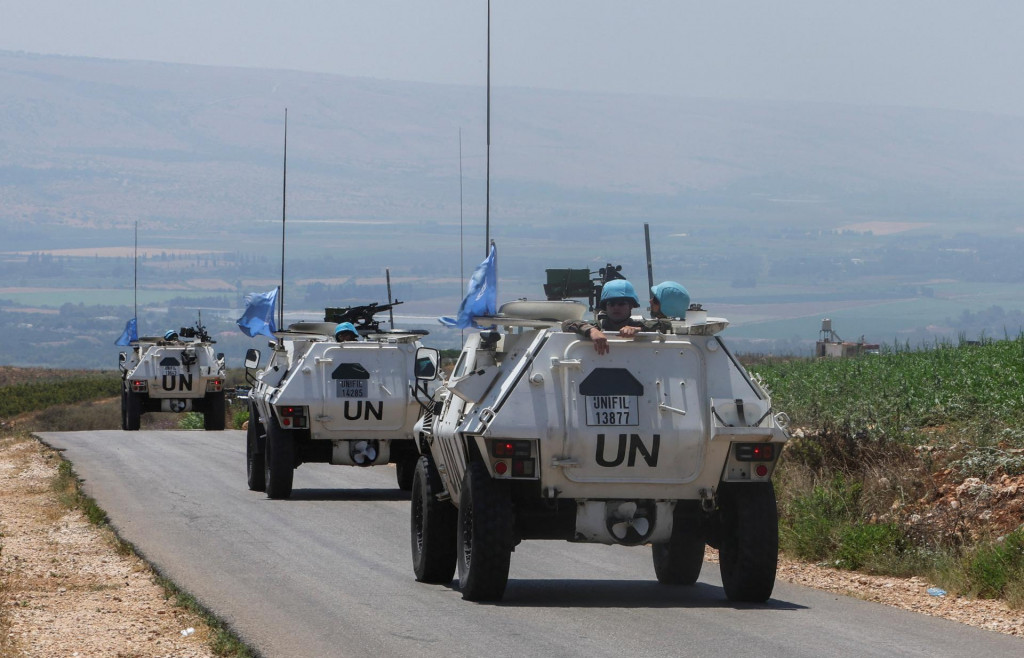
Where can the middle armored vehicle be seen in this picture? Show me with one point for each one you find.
(320, 400)
(664, 440)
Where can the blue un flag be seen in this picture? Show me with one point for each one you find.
(481, 298)
(130, 333)
(259, 314)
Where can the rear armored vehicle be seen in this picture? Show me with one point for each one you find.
(179, 372)
(320, 400)
(664, 440)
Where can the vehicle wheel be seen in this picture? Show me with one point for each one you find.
(255, 465)
(133, 411)
(434, 525)
(749, 551)
(215, 412)
(484, 535)
(405, 469)
(124, 408)
(279, 461)
(679, 561)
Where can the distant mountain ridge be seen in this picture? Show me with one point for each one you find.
(102, 143)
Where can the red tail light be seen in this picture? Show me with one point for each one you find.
(755, 452)
(293, 417)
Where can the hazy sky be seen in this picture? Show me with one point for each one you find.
(935, 53)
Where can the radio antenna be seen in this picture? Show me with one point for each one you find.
(391, 311)
(650, 268)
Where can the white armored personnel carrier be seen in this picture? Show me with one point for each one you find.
(320, 400)
(664, 440)
(178, 372)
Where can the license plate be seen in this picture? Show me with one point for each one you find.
(603, 410)
(352, 388)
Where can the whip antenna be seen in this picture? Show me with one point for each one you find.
(650, 269)
(391, 311)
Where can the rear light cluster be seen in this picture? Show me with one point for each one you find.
(139, 386)
(513, 459)
(293, 417)
(214, 385)
(756, 452)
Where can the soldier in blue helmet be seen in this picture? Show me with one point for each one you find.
(669, 300)
(171, 335)
(345, 332)
(618, 299)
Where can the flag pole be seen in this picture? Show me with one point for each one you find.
(487, 210)
(284, 201)
(136, 309)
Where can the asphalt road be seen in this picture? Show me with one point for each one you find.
(329, 573)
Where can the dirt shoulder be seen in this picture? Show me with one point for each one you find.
(67, 589)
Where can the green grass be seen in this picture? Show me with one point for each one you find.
(876, 434)
(192, 420)
(33, 396)
(899, 394)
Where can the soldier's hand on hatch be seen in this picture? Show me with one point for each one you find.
(628, 332)
(600, 341)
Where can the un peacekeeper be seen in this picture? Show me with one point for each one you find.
(346, 332)
(669, 300)
(618, 299)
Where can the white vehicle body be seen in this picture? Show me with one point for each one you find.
(659, 442)
(172, 375)
(318, 400)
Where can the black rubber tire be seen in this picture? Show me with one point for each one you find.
(749, 551)
(405, 469)
(279, 461)
(132, 411)
(485, 531)
(124, 407)
(434, 524)
(215, 414)
(255, 465)
(679, 561)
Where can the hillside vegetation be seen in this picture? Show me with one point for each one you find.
(909, 462)
(23, 389)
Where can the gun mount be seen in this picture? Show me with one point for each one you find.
(360, 316)
(581, 283)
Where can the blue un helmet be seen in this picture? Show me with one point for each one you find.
(619, 288)
(673, 297)
(171, 335)
(347, 326)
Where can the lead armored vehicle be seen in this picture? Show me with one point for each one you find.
(665, 441)
(320, 400)
(178, 372)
